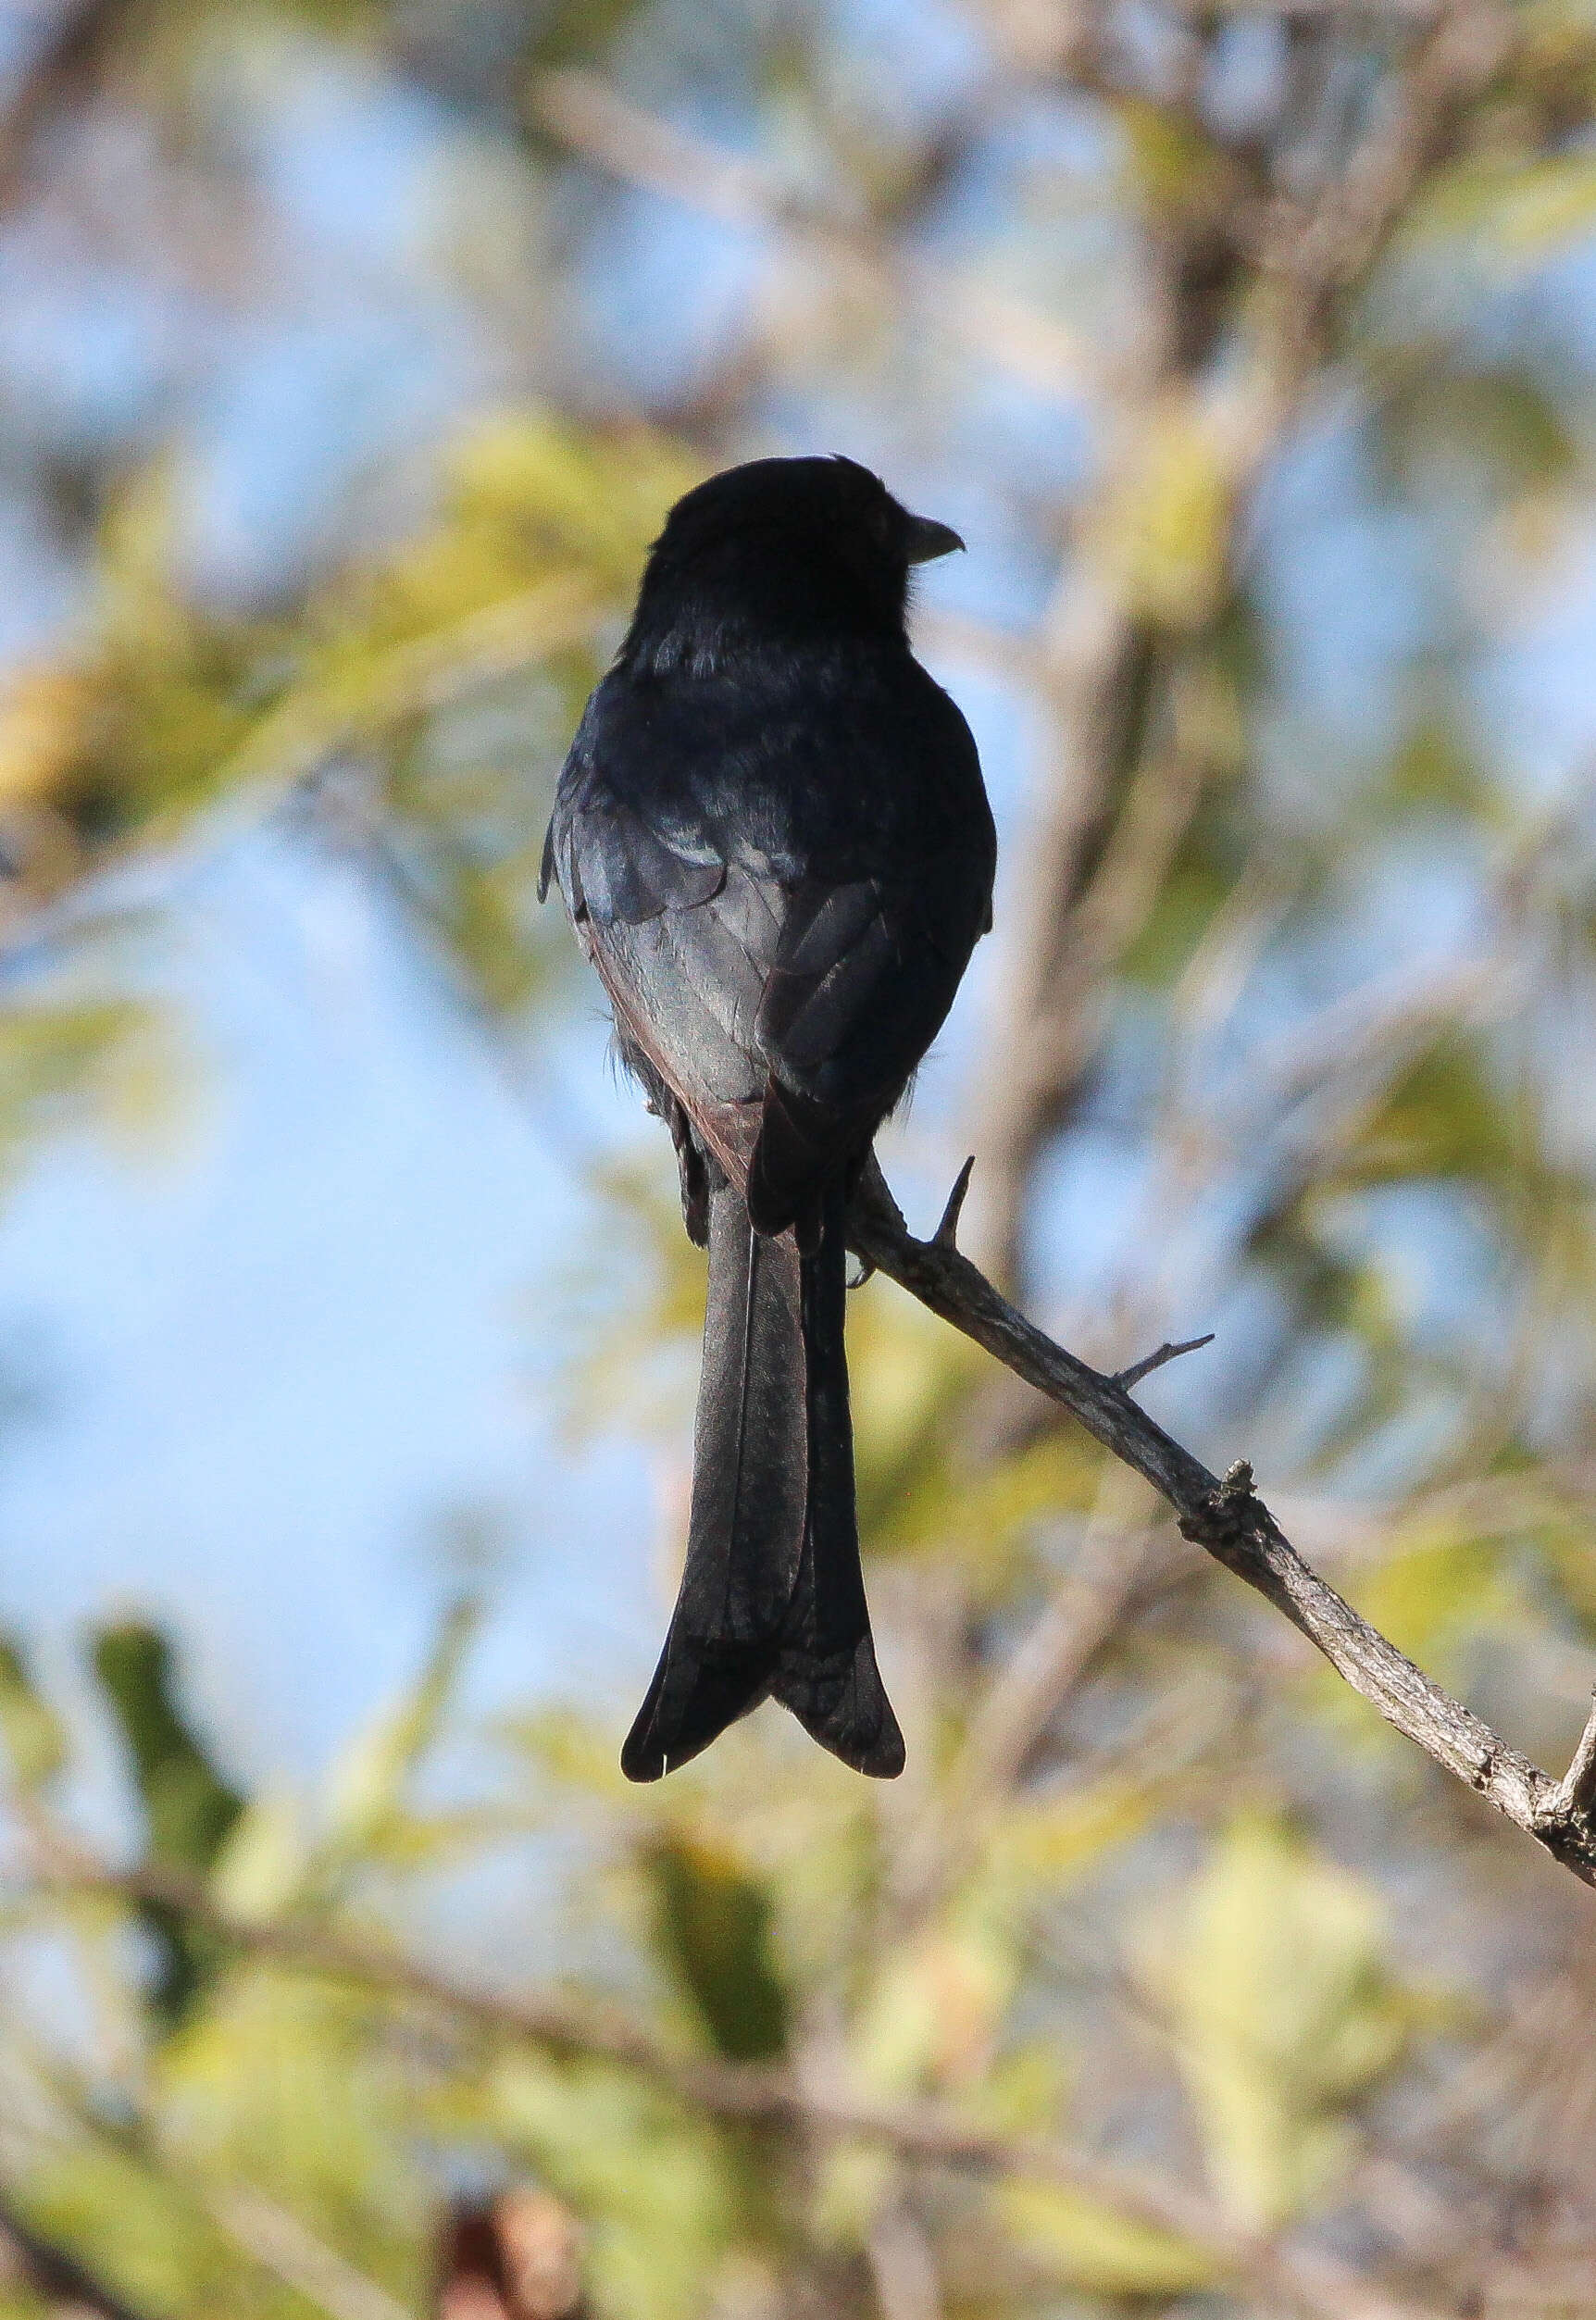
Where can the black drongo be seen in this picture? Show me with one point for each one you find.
(775, 846)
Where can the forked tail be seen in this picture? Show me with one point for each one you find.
(772, 1597)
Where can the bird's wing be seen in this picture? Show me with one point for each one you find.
(791, 1008)
(861, 984)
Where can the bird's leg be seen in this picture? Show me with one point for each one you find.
(866, 1162)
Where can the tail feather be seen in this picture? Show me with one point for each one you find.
(825, 1670)
(772, 1600)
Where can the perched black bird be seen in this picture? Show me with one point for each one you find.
(775, 846)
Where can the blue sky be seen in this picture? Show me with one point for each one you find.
(281, 1338)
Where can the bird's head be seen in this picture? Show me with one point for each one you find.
(782, 550)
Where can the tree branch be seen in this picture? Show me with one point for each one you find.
(1228, 1519)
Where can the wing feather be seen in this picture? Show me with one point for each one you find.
(748, 975)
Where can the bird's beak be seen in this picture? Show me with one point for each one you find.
(928, 539)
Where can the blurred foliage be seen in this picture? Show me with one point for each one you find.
(1271, 1971)
(1149, 1895)
(498, 605)
(713, 1924)
(35, 1736)
(189, 1810)
(105, 1061)
(1072, 2241)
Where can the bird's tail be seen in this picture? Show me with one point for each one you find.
(772, 1599)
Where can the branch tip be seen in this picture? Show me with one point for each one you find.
(946, 1233)
(1125, 1378)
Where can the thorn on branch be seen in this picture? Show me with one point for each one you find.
(947, 1232)
(867, 1272)
(1125, 1378)
(1573, 1798)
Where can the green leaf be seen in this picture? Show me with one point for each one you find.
(921, 1490)
(595, 499)
(1500, 428)
(938, 2006)
(713, 1924)
(1165, 534)
(98, 1061)
(290, 2085)
(1523, 211)
(136, 2232)
(262, 1866)
(1440, 1117)
(188, 1808)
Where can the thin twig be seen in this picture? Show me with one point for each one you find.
(1125, 1378)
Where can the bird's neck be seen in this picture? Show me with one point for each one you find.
(701, 622)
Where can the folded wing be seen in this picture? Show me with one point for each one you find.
(786, 1013)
